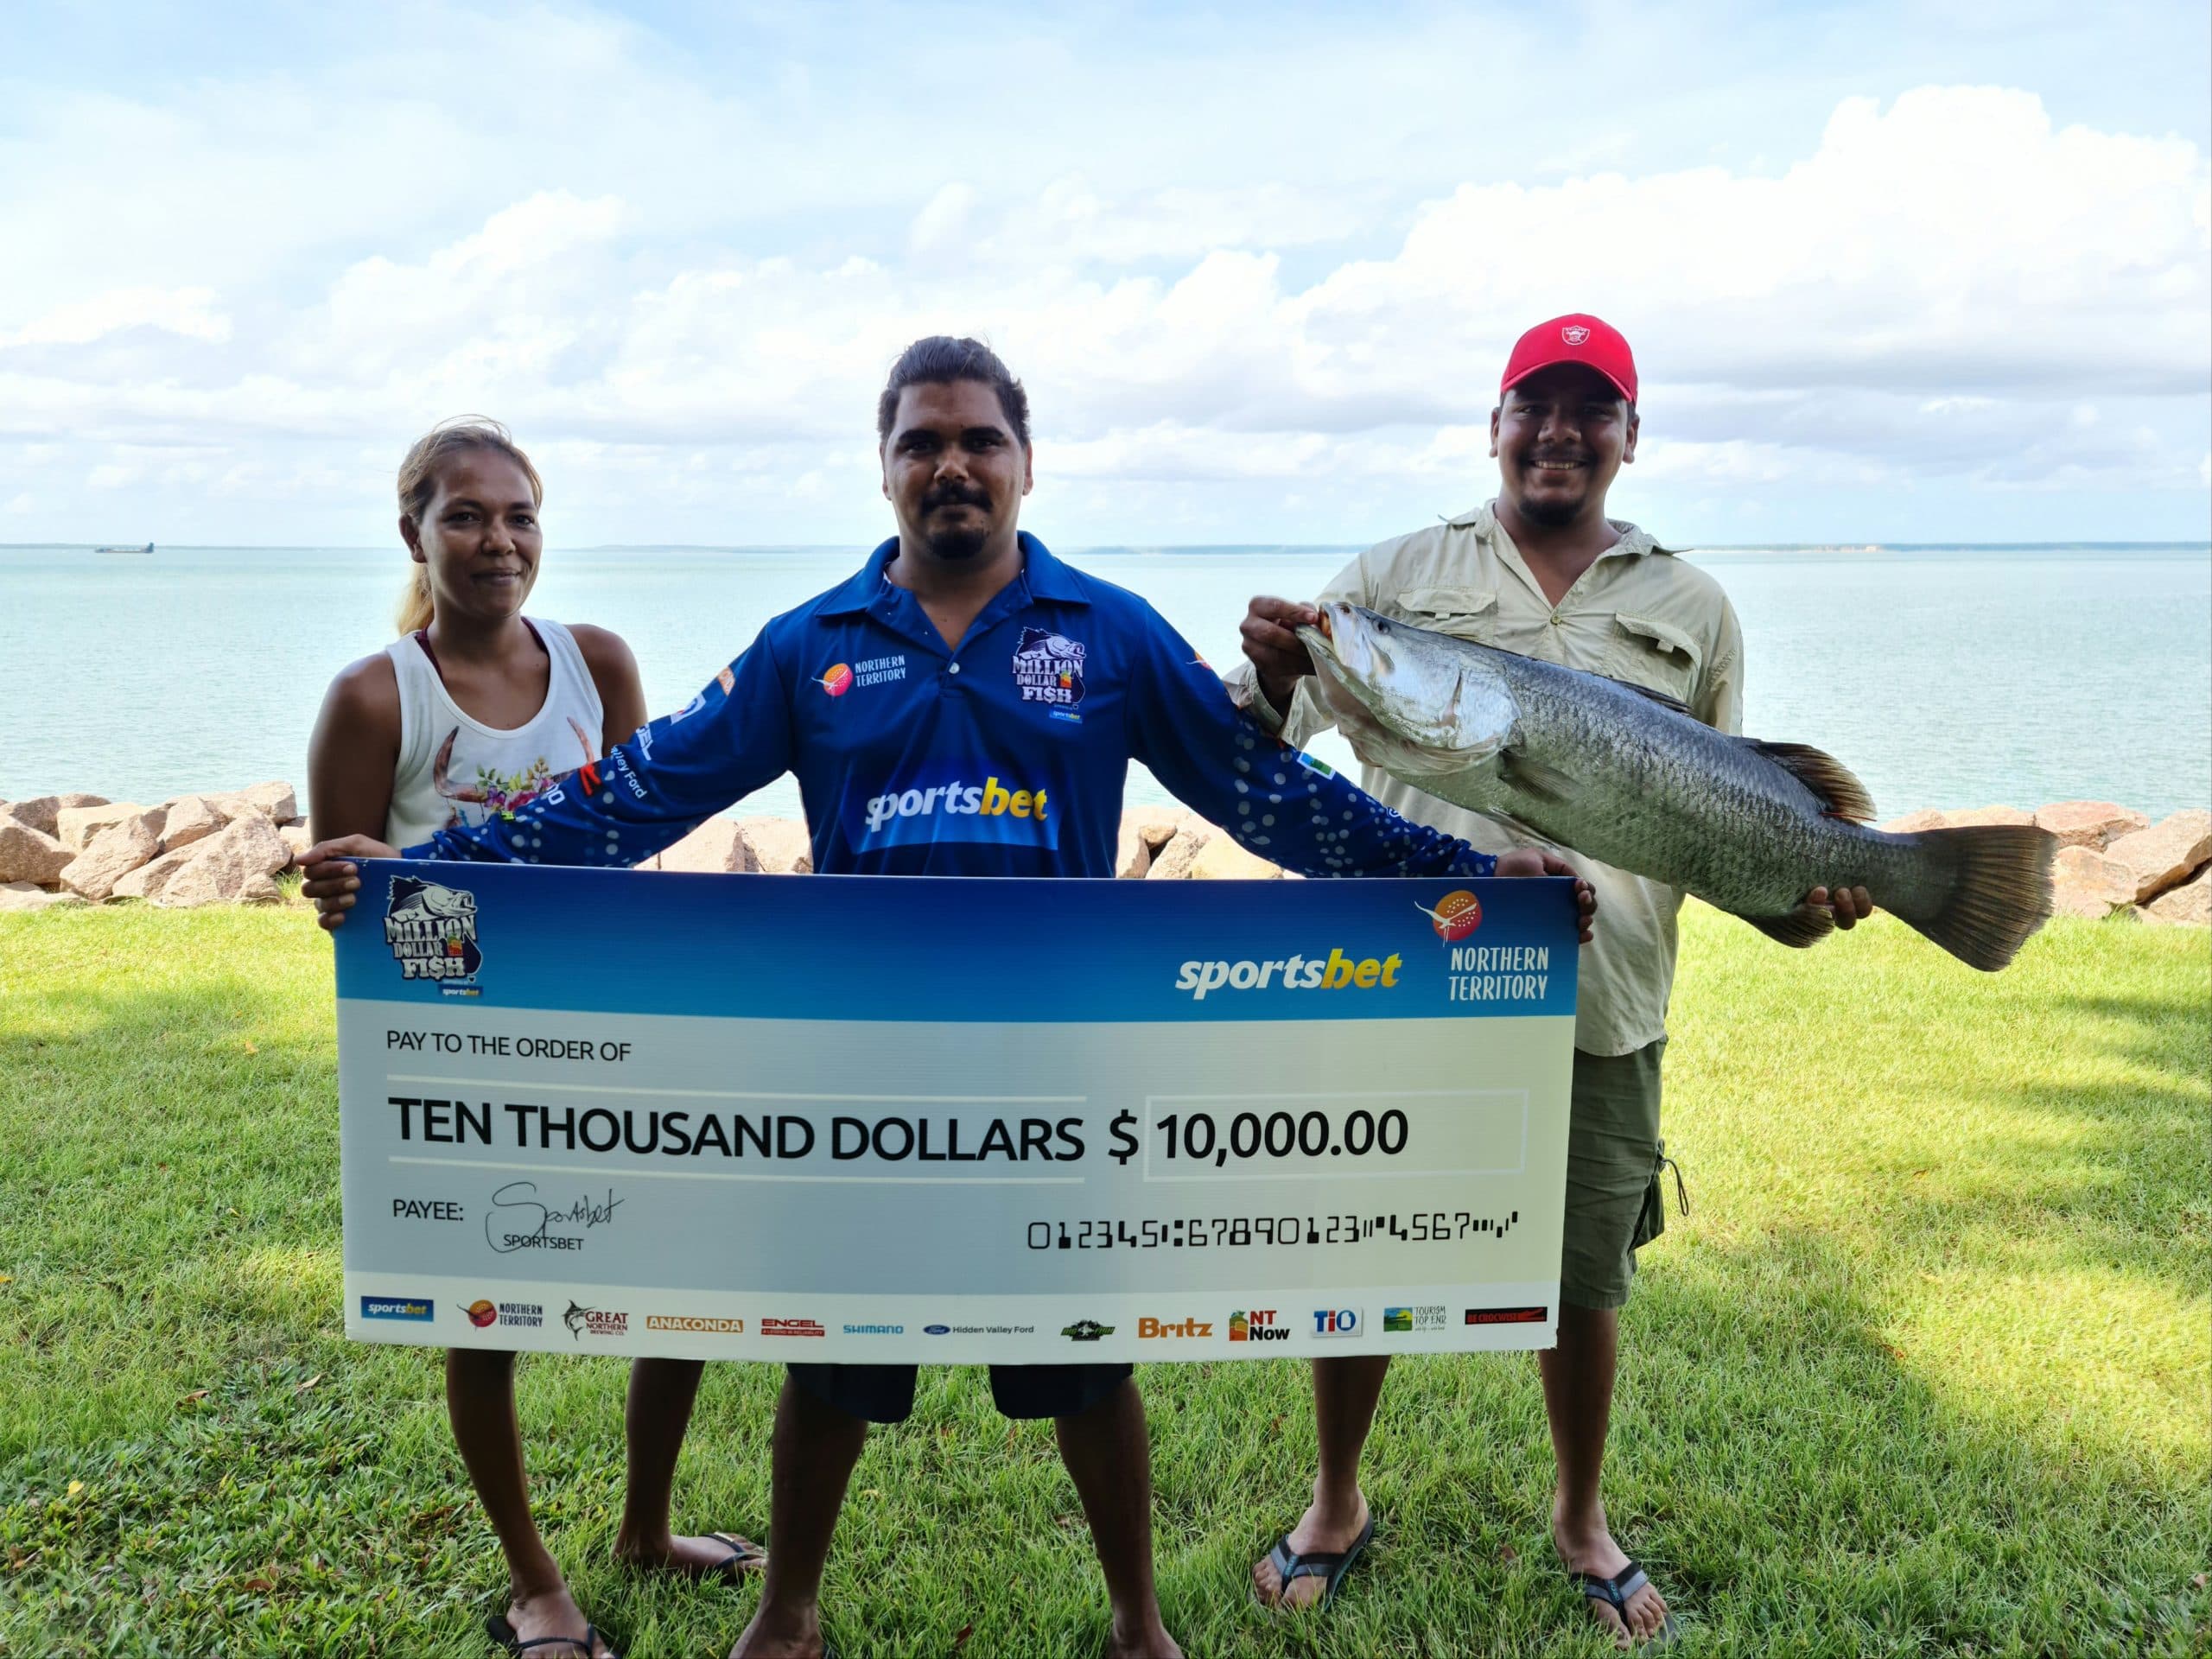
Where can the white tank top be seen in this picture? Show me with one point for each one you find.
(455, 770)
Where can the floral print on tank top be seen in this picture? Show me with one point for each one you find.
(498, 794)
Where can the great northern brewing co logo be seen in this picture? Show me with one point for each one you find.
(432, 932)
(1456, 915)
(1575, 333)
(1048, 667)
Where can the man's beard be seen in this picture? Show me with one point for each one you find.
(954, 544)
(1552, 515)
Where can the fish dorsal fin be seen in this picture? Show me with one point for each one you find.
(1659, 697)
(1841, 795)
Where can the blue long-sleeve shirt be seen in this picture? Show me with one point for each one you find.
(1005, 757)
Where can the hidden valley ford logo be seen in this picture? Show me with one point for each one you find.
(431, 930)
(1456, 915)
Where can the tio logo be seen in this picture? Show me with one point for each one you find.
(1336, 1322)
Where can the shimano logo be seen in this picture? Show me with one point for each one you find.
(1335, 972)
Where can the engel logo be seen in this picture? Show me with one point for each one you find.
(837, 680)
(989, 799)
(1456, 915)
(1333, 973)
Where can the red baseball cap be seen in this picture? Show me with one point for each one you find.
(1576, 338)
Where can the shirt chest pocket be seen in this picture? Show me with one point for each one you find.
(1655, 655)
(1465, 612)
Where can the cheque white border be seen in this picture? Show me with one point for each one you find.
(1366, 1099)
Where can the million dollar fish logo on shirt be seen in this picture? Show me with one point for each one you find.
(432, 931)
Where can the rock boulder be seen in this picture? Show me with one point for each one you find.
(1172, 863)
(1976, 815)
(1223, 859)
(232, 866)
(715, 848)
(2085, 882)
(28, 854)
(113, 854)
(29, 895)
(2167, 852)
(76, 826)
(189, 818)
(1913, 823)
(2189, 904)
(2087, 823)
(779, 846)
(1145, 831)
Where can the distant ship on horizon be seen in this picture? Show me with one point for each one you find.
(147, 549)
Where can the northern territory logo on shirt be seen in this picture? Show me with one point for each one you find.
(990, 809)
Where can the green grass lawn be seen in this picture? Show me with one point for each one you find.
(1925, 1370)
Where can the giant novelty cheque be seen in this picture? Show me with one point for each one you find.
(870, 1118)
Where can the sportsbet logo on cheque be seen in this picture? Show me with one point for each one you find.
(1334, 972)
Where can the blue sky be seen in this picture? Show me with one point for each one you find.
(1893, 273)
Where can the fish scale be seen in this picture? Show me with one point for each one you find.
(1632, 779)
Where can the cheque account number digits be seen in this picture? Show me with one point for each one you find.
(1232, 1232)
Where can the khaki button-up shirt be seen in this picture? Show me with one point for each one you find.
(1639, 615)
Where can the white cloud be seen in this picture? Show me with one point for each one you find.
(1948, 286)
(186, 311)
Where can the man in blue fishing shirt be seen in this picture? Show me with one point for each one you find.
(965, 704)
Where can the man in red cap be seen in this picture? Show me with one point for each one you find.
(1541, 570)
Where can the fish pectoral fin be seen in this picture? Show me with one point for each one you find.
(1534, 778)
(1808, 924)
(1842, 796)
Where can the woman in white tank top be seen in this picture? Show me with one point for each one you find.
(473, 710)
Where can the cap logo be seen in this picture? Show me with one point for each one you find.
(1575, 333)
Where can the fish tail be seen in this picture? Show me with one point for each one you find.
(1989, 887)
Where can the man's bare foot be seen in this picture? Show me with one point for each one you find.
(1318, 1530)
(553, 1612)
(1587, 1546)
(782, 1632)
(726, 1552)
(1150, 1642)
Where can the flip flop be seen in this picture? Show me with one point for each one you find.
(743, 1557)
(1328, 1564)
(1615, 1592)
(496, 1627)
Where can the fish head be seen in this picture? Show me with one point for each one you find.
(1416, 703)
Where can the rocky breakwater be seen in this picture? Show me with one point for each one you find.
(220, 847)
(2113, 862)
(228, 847)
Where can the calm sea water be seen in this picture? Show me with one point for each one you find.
(1945, 676)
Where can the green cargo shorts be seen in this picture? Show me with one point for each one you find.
(1614, 1158)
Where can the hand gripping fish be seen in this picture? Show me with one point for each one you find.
(1632, 778)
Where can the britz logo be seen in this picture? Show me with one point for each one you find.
(1336, 1322)
(1149, 1328)
(432, 931)
(1258, 1325)
(417, 1309)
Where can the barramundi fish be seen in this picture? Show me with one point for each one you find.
(1630, 777)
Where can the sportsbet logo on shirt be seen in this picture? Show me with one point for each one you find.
(993, 809)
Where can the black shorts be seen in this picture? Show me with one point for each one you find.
(885, 1393)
